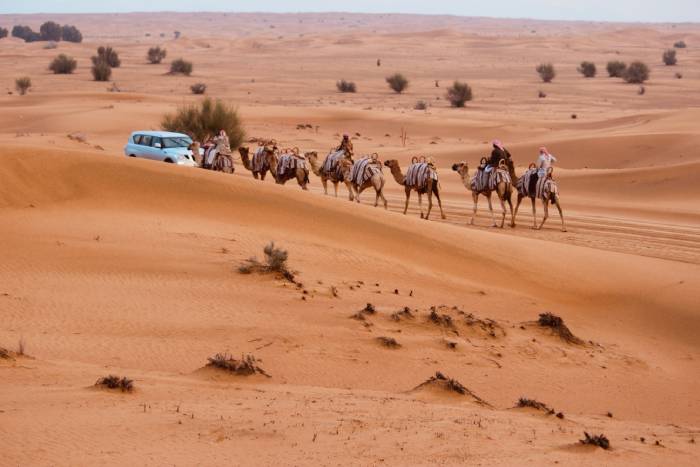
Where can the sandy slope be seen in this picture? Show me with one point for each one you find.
(116, 265)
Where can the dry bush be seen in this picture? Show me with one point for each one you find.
(636, 73)
(440, 319)
(597, 440)
(541, 94)
(556, 324)
(5, 354)
(181, 66)
(487, 326)
(451, 385)
(63, 65)
(275, 263)
(421, 105)
(26, 33)
(616, 69)
(246, 366)
(525, 402)
(669, 57)
(397, 82)
(198, 88)
(71, 34)
(546, 72)
(101, 71)
(51, 31)
(389, 342)
(459, 94)
(346, 86)
(369, 309)
(680, 45)
(588, 69)
(156, 55)
(205, 119)
(115, 382)
(107, 55)
(3, 33)
(23, 84)
(402, 314)
(679, 75)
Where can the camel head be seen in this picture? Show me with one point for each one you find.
(311, 155)
(461, 168)
(391, 163)
(244, 150)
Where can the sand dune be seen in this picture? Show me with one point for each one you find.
(114, 265)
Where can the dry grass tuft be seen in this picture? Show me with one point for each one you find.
(368, 310)
(6, 354)
(534, 404)
(246, 366)
(275, 263)
(389, 342)
(115, 382)
(400, 315)
(440, 319)
(556, 324)
(597, 440)
(450, 385)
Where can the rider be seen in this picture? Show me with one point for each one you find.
(346, 145)
(498, 154)
(544, 162)
(223, 146)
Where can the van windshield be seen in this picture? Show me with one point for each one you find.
(176, 142)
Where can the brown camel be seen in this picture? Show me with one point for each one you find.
(335, 176)
(546, 189)
(196, 153)
(429, 186)
(300, 172)
(262, 169)
(503, 189)
(376, 180)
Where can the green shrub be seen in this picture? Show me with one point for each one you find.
(22, 85)
(459, 94)
(3, 33)
(63, 65)
(397, 82)
(108, 56)
(50, 31)
(636, 73)
(181, 66)
(680, 45)
(204, 120)
(26, 33)
(156, 55)
(669, 57)
(616, 69)
(101, 71)
(71, 34)
(587, 69)
(546, 72)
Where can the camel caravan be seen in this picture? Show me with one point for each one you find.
(494, 175)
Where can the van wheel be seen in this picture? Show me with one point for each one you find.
(169, 160)
(132, 155)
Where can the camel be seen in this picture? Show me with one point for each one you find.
(503, 189)
(334, 176)
(300, 172)
(431, 186)
(376, 180)
(262, 170)
(548, 193)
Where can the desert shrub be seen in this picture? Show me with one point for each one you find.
(3, 33)
(556, 324)
(22, 85)
(541, 94)
(679, 75)
(206, 119)
(388, 342)
(246, 366)
(421, 105)
(669, 57)
(680, 45)
(108, 56)
(346, 86)
(636, 73)
(198, 88)
(597, 440)
(177, 34)
(397, 82)
(156, 55)
(546, 72)
(26, 33)
(459, 94)
(587, 69)
(101, 71)
(50, 31)
(63, 65)
(616, 69)
(71, 34)
(181, 66)
(115, 382)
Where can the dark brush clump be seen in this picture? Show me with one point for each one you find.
(367, 310)
(246, 366)
(556, 324)
(439, 319)
(597, 440)
(275, 263)
(451, 385)
(115, 382)
(405, 313)
(5, 354)
(389, 342)
(534, 404)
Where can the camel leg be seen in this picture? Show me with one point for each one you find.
(420, 204)
(358, 191)
(503, 211)
(475, 197)
(324, 182)
(381, 195)
(437, 196)
(335, 187)
(301, 180)
(493, 217)
(408, 195)
(430, 204)
(534, 214)
(255, 175)
(352, 189)
(517, 206)
(545, 204)
(561, 215)
(512, 213)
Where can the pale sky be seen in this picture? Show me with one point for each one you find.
(598, 10)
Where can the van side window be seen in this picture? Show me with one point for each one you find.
(137, 139)
(145, 140)
(156, 140)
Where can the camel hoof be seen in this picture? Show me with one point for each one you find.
(444, 216)
(421, 216)
(563, 230)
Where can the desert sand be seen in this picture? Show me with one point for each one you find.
(114, 265)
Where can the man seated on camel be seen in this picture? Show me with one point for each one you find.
(544, 162)
(346, 145)
(498, 154)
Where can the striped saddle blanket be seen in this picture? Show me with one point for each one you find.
(524, 182)
(418, 174)
(545, 187)
(488, 181)
(363, 170)
(260, 160)
(330, 164)
(289, 163)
